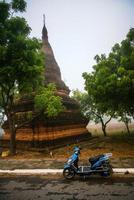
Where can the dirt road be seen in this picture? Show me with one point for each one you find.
(50, 188)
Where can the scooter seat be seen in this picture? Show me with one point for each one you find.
(94, 159)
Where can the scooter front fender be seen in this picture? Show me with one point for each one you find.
(66, 166)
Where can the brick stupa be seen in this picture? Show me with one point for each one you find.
(69, 125)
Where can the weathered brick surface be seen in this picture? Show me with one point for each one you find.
(43, 133)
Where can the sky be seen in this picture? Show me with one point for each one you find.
(80, 29)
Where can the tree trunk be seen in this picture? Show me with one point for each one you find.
(104, 129)
(12, 135)
(126, 124)
(103, 125)
(13, 143)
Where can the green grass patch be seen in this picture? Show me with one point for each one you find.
(123, 137)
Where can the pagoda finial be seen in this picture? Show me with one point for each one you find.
(44, 31)
(44, 19)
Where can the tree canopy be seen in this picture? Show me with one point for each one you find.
(93, 111)
(21, 64)
(111, 84)
(48, 102)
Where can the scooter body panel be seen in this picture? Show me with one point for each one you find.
(96, 167)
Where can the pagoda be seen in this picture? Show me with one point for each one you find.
(68, 125)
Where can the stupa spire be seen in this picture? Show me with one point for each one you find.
(52, 70)
(44, 31)
(44, 19)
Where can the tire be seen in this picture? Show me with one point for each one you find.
(68, 173)
(109, 170)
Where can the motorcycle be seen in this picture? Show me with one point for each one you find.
(99, 164)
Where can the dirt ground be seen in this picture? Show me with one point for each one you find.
(119, 146)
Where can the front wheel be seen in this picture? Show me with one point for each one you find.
(68, 173)
(108, 170)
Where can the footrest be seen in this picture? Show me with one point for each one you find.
(84, 169)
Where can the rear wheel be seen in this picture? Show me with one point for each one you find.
(68, 173)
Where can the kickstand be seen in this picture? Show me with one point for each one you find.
(84, 177)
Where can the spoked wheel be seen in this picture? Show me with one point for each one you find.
(68, 173)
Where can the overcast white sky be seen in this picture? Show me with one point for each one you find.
(80, 29)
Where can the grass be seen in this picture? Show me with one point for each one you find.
(123, 137)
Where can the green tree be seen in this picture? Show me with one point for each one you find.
(21, 63)
(123, 117)
(47, 102)
(111, 83)
(93, 111)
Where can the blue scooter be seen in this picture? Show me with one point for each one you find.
(99, 164)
